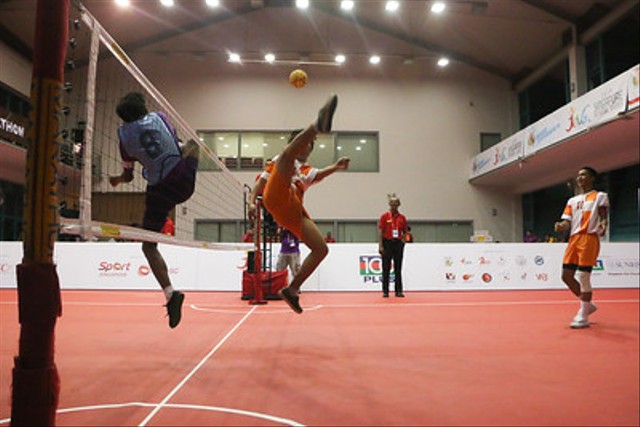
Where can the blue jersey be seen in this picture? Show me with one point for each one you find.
(152, 142)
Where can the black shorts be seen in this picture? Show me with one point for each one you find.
(175, 188)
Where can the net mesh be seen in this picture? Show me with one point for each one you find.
(97, 76)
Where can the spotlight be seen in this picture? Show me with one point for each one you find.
(167, 3)
(438, 7)
(392, 6)
(302, 4)
(234, 57)
(212, 3)
(375, 59)
(346, 4)
(270, 58)
(443, 62)
(340, 58)
(122, 3)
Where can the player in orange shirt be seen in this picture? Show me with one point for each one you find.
(586, 216)
(284, 181)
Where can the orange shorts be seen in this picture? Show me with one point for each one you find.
(283, 203)
(582, 250)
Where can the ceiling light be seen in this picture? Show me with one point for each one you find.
(167, 3)
(358, 148)
(443, 62)
(123, 3)
(212, 3)
(340, 58)
(270, 57)
(234, 57)
(375, 59)
(438, 7)
(346, 4)
(392, 6)
(302, 4)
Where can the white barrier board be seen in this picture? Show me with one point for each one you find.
(348, 267)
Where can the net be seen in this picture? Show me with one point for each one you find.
(98, 74)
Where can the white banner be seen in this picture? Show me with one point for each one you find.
(503, 153)
(592, 109)
(633, 88)
(348, 267)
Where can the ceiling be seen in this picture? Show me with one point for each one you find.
(511, 39)
(506, 38)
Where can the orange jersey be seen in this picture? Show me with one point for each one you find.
(582, 211)
(303, 176)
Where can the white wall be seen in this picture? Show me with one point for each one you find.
(429, 124)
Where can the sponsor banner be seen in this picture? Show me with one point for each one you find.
(503, 153)
(348, 267)
(633, 88)
(592, 109)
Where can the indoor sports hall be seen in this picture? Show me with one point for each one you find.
(466, 252)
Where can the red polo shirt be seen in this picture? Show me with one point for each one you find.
(393, 226)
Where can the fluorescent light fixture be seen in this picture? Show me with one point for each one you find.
(340, 58)
(322, 146)
(123, 3)
(212, 3)
(346, 4)
(234, 57)
(363, 141)
(375, 59)
(438, 6)
(302, 4)
(270, 58)
(443, 62)
(392, 6)
(167, 3)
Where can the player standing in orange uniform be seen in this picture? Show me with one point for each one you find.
(586, 216)
(284, 181)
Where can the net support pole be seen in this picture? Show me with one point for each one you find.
(36, 384)
(258, 296)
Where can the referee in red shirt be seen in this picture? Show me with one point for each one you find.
(391, 232)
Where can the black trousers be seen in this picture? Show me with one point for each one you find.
(393, 250)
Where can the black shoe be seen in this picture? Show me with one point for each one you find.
(325, 115)
(174, 308)
(385, 295)
(399, 294)
(291, 298)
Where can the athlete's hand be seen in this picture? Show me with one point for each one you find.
(115, 180)
(343, 163)
(560, 226)
(602, 228)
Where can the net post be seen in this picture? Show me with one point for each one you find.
(87, 155)
(36, 384)
(258, 297)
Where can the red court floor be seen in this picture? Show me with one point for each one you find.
(351, 359)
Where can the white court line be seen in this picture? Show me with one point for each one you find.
(277, 310)
(195, 369)
(237, 309)
(178, 406)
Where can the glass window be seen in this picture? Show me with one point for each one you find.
(488, 140)
(252, 150)
(357, 232)
(323, 153)
(361, 148)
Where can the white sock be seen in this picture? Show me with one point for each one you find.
(168, 291)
